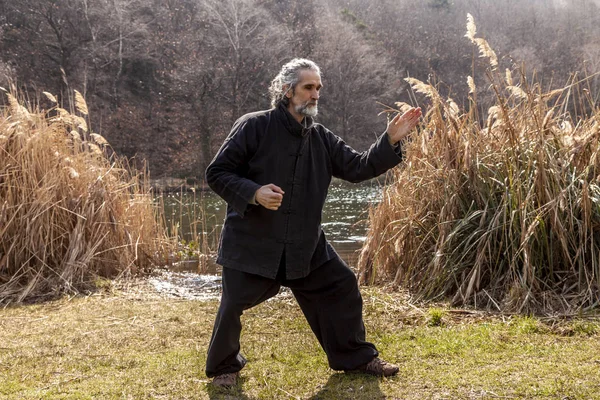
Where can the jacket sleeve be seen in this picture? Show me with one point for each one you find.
(226, 173)
(350, 165)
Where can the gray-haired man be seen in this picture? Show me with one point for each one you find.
(273, 171)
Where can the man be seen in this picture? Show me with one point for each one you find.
(273, 170)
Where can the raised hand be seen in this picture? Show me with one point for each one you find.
(401, 125)
(270, 196)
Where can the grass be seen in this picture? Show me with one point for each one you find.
(124, 346)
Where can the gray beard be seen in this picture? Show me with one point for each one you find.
(307, 110)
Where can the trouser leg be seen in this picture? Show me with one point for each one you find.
(331, 302)
(241, 291)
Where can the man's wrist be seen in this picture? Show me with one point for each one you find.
(396, 144)
(389, 138)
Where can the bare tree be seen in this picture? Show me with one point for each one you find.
(356, 75)
(166, 78)
(226, 59)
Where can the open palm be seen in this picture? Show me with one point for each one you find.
(402, 125)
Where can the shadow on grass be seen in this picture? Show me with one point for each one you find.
(233, 393)
(341, 386)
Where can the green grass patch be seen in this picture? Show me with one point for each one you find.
(116, 347)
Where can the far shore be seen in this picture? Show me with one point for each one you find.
(175, 185)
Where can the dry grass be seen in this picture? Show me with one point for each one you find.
(501, 212)
(125, 346)
(70, 210)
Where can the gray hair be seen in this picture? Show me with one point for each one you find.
(289, 76)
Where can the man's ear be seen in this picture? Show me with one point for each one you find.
(289, 92)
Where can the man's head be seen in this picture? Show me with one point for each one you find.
(297, 85)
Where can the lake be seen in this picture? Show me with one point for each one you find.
(344, 216)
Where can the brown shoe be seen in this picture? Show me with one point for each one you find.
(378, 367)
(226, 380)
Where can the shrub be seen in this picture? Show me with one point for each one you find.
(501, 212)
(69, 212)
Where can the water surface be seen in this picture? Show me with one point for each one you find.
(344, 223)
(344, 218)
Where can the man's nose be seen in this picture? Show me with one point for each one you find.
(315, 95)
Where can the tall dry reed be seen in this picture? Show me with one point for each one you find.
(69, 211)
(502, 212)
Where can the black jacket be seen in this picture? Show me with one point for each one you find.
(272, 147)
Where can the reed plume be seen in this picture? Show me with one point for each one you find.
(69, 212)
(502, 212)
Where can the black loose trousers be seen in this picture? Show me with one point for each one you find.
(329, 298)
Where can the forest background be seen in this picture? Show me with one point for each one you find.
(165, 79)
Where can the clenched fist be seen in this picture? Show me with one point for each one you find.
(269, 196)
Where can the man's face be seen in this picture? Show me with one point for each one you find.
(305, 96)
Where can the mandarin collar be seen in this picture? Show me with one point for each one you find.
(292, 124)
